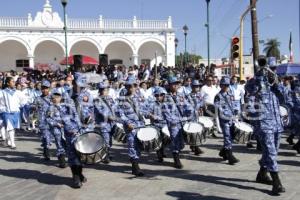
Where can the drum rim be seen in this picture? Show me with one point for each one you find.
(147, 127)
(202, 127)
(88, 132)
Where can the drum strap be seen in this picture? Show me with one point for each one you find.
(134, 109)
(228, 103)
(177, 106)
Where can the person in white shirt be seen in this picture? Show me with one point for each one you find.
(209, 91)
(12, 100)
(238, 92)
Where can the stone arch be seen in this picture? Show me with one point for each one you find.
(86, 39)
(20, 40)
(120, 52)
(11, 50)
(48, 52)
(120, 39)
(154, 40)
(53, 39)
(87, 47)
(151, 52)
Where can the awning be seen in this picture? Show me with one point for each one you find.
(86, 60)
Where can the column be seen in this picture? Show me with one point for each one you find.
(135, 58)
(31, 61)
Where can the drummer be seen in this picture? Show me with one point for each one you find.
(105, 116)
(197, 101)
(128, 110)
(226, 111)
(176, 110)
(65, 118)
(156, 117)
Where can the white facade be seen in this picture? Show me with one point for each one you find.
(41, 39)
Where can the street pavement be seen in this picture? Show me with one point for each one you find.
(24, 175)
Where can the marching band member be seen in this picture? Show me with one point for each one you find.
(105, 116)
(42, 104)
(226, 111)
(2, 109)
(86, 113)
(176, 110)
(12, 101)
(196, 100)
(156, 116)
(64, 117)
(294, 104)
(54, 119)
(129, 113)
(263, 107)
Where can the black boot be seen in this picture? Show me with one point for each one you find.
(83, 179)
(277, 187)
(177, 163)
(136, 168)
(46, 154)
(223, 154)
(290, 139)
(297, 147)
(231, 159)
(262, 177)
(192, 148)
(62, 161)
(76, 178)
(198, 151)
(258, 146)
(160, 155)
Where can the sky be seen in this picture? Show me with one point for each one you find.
(277, 18)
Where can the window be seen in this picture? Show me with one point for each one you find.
(22, 63)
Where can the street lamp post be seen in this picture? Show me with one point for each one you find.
(208, 38)
(64, 4)
(176, 45)
(241, 58)
(185, 31)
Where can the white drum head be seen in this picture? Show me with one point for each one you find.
(192, 127)
(207, 122)
(243, 126)
(166, 131)
(147, 134)
(283, 111)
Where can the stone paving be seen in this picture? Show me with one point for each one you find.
(25, 176)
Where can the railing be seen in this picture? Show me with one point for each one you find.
(117, 24)
(83, 24)
(13, 22)
(88, 24)
(152, 24)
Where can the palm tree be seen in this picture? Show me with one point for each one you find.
(272, 48)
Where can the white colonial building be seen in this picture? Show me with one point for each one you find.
(32, 40)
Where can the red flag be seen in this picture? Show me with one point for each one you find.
(291, 49)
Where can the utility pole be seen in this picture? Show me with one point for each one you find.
(255, 44)
(208, 38)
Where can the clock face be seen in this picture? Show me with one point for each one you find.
(47, 18)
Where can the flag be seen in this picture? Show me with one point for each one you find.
(291, 49)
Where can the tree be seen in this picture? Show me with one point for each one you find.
(272, 48)
(192, 58)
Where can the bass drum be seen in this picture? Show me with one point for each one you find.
(193, 134)
(119, 133)
(242, 132)
(91, 147)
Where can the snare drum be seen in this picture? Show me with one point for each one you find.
(91, 147)
(149, 139)
(166, 137)
(193, 133)
(207, 123)
(119, 133)
(242, 132)
(284, 113)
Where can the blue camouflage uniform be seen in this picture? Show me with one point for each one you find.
(105, 115)
(294, 105)
(226, 110)
(176, 110)
(67, 116)
(129, 111)
(196, 100)
(263, 109)
(42, 104)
